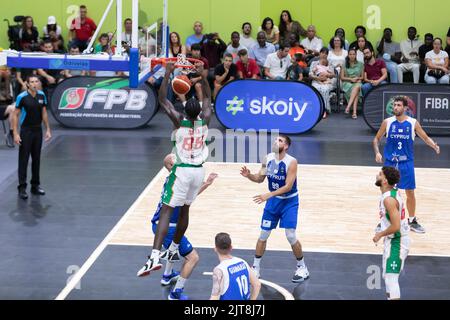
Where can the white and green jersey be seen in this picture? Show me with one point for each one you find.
(190, 143)
(385, 218)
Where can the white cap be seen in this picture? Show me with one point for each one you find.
(51, 20)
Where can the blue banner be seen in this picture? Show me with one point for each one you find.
(287, 106)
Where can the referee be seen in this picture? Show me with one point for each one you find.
(31, 109)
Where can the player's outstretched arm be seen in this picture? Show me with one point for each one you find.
(162, 97)
(423, 135)
(206, 105)
(391, 206)
(376, 142)
(255, 177)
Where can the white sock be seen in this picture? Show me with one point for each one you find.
(256, 262)
(410, 219)
(301, 262)
(173, 246)
(169, 268)
(180, 283)
(155, 254)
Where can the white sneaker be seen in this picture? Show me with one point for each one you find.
(170, 256)
(257, 271)
(300, 275)
(149, 266)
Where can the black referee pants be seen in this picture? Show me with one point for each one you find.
(31, 145)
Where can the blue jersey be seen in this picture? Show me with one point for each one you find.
(176, 211)
(277, 173)
(400, 140)
(235, 280)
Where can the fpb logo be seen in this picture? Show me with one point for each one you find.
(72, 98)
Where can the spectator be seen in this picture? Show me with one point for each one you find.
(391, 53)
(127, 33)
(235, 46)
(103, 44)
(311, 43)
(82, 29)
(74, 51)
(246, 67)
(410, 56)
(22, 75)
(176, 47)
(287, 26)
(352, 76)
(246, 38)
(28, 35)
(50, 77)
(341, 33)
(212, 48)
(7, 112)
(423, 50)
(196, 78)
(337, 54)
(261, 50)
(360, 31)
(362, 44)
(271, 31)
(323, 78)
(277, 63)
(196, 37)
(51, 26)
(5, 75)
(296, 48)
(375, 71)
(295, 72)
(52, 32)
(224, 73)
(447, 48)
(437, 63)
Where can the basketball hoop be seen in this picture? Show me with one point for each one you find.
(188, 65)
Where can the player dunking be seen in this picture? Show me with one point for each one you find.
(282, 202)
(394, 228)
(400, 132)
(186, 177)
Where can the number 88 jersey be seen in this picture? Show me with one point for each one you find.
(400, 140)
(190, 142)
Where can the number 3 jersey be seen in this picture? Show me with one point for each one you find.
(190, 142)
(400, 140)
(386, 219)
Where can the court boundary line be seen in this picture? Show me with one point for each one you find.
(105, 242)
(284, 292)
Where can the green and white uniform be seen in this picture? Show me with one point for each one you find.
(188, 174)
(396, 246)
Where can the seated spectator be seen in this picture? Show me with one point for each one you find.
(375, 71)
(196, 37)
(261, 50)
(352, 76)
(212, 48)
(235, 46)
(5, 76)
(224, 73)
(437, 63)
(390, 52)
(246, 67)
(312, 43)
(21, 77)
(288, 26)
(103, 44)
(340, 32)
(423, 50)
(277, 63)
(176, 47)
(74, 51)
(246, 37)
(50, 77)
(52, 32)
(127, 33)
(82, 29)
(196, 78)
(410, 56)
(296, 48)
(28, 35)
(447, 48)
(323, 78)
(7, 112)
(271, 31)
(360, 31)
(51, 26)
(337, 54)
(295, 72)
(362, 44)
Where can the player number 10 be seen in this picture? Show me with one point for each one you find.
(243, 285)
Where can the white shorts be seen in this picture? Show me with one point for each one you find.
(183, 185)
(395, 253)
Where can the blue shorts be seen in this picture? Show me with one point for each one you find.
(185, 246)
(407, 176)
(284, 211)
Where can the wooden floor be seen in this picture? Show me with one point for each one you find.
(338, 211)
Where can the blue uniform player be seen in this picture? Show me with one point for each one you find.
(282, 202)
(400, 131)
(233, 279)
(186, 250)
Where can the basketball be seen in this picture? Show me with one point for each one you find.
(181, 84)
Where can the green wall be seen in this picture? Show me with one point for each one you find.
(228, 15)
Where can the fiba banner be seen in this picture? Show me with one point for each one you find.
(287, 106)
(427, 103)
(103, 102)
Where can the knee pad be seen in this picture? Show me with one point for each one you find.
(392, 286)
(264, 235)
(291, 236)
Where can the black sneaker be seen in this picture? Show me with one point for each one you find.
(23, 194)
(416, 227)
(37, 191)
